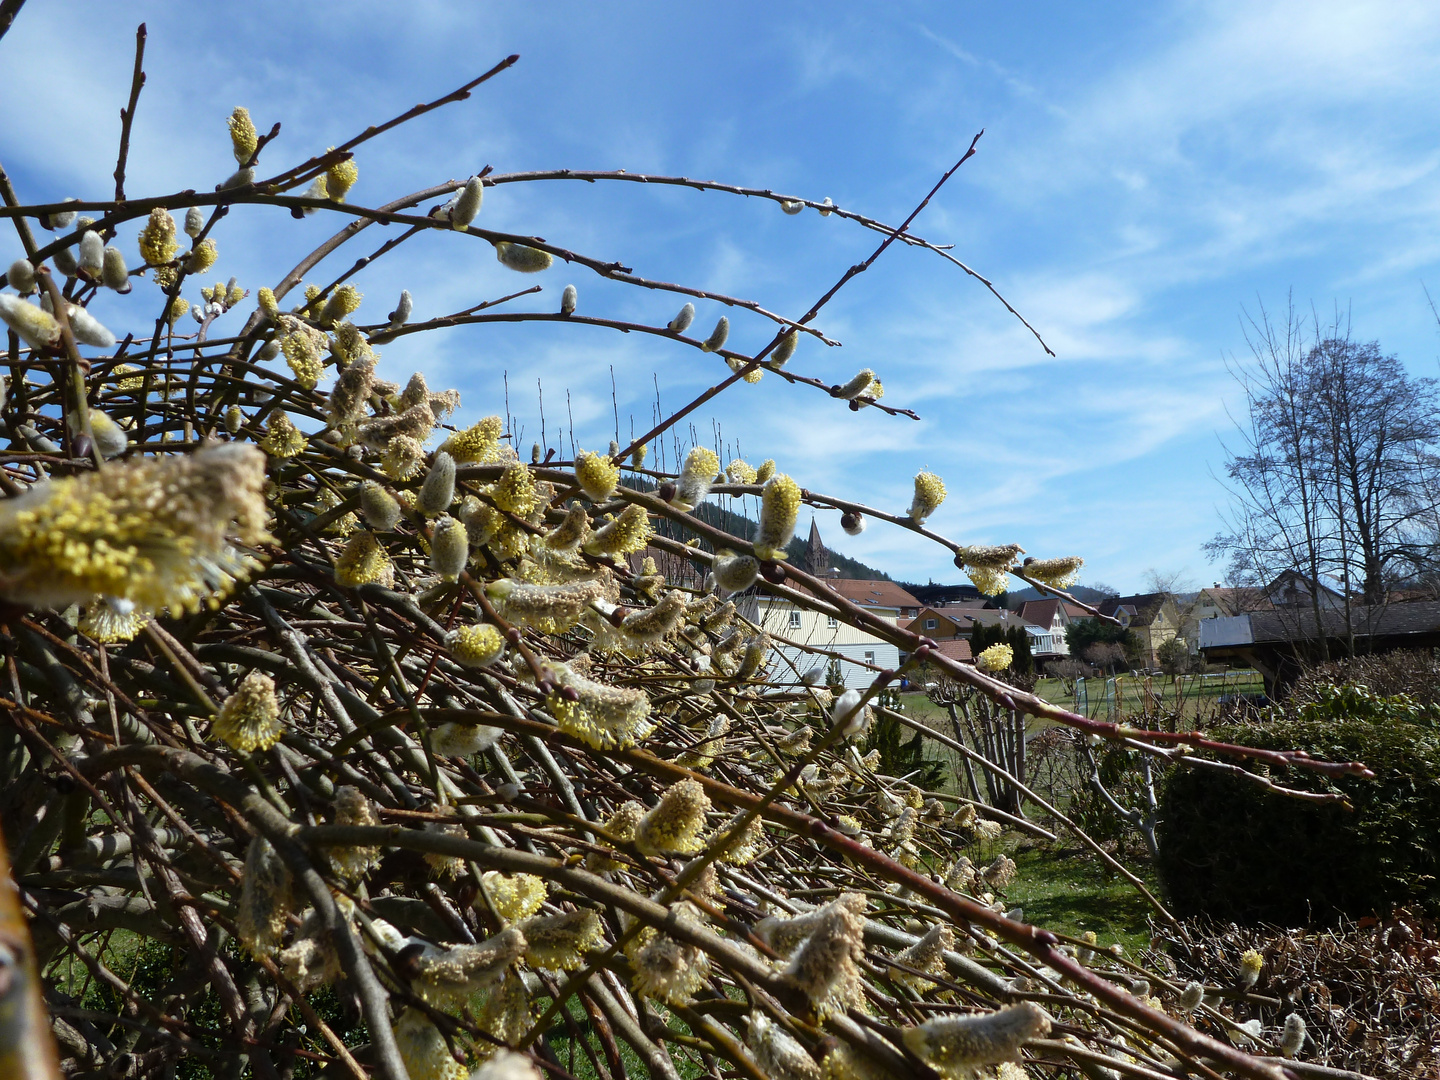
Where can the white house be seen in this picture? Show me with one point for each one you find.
(792, 626)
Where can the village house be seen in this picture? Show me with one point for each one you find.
(794, 628)
(1153, 619)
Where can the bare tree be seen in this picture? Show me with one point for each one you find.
(1335, 477)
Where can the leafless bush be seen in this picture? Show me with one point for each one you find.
(296, 706)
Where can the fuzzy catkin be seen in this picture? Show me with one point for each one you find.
(449, 548)
(735, 573)
(519, 257)
(779, 508)
(438, 490)
(113, 273)
(696, 475)
(955, 1045)
(466, 204)
(716, 341)
(681, 322)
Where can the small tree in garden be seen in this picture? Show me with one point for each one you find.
(320, 697)
(1174, 656)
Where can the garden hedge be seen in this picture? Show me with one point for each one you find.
(1233, 850)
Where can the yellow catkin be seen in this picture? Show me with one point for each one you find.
(250, 718)
(779, 508)
(597, 475)
(474, 442)
(340, 178)
(159, 532)
(244, 139)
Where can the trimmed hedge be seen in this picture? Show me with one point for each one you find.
(1234, 851)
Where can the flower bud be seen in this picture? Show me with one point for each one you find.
(92, 253)
(519, 257)
(651, 625)
(438, 490)
(852, 522)
(463, 740)
(341, 177)
(681, 322)
(674, 826)
(735, 573)
(627, 533)
(465, 204)
(61, 220)
(765, 471)
(202, 257)
(753, 663)
(265, 897)
(956, 1045)
(827, 203)
(33, 325)
(113, 273)
(791, 206)
(364, 562)
(378, 507)
(1191, 997)
(995, 658)
(716, 340)
(1250, 964)
(855, 387)
(194, 222)
(567, 300)
(21, 276)
(239, 178)
(401, 315)
(110, 437)
(559, 942)
(282, 438)
(847, 714)
(234, 419)
(449, 548)
(476, 442)
(65, 262)
(785, 348)
(1292, 1040)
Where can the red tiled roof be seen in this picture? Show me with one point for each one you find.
(956, 649)
(873, 594)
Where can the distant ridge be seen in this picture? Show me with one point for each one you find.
(740, 525)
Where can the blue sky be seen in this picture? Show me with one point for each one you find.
(1147, 172)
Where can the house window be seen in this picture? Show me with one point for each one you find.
(869, 658)
(832, 621)
(931, 624)
(794, 620)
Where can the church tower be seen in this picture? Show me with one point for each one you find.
(817, 560)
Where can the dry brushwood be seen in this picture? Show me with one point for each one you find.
(311, 697)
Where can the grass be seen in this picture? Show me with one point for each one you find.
(1070, 891)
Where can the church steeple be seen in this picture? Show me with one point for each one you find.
(817, 560)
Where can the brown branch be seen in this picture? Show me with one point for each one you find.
(127, 114)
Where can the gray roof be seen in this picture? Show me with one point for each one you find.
(1391, 620)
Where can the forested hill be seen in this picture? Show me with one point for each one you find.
(740, 525)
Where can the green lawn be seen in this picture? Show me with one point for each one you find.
(1070, 891)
